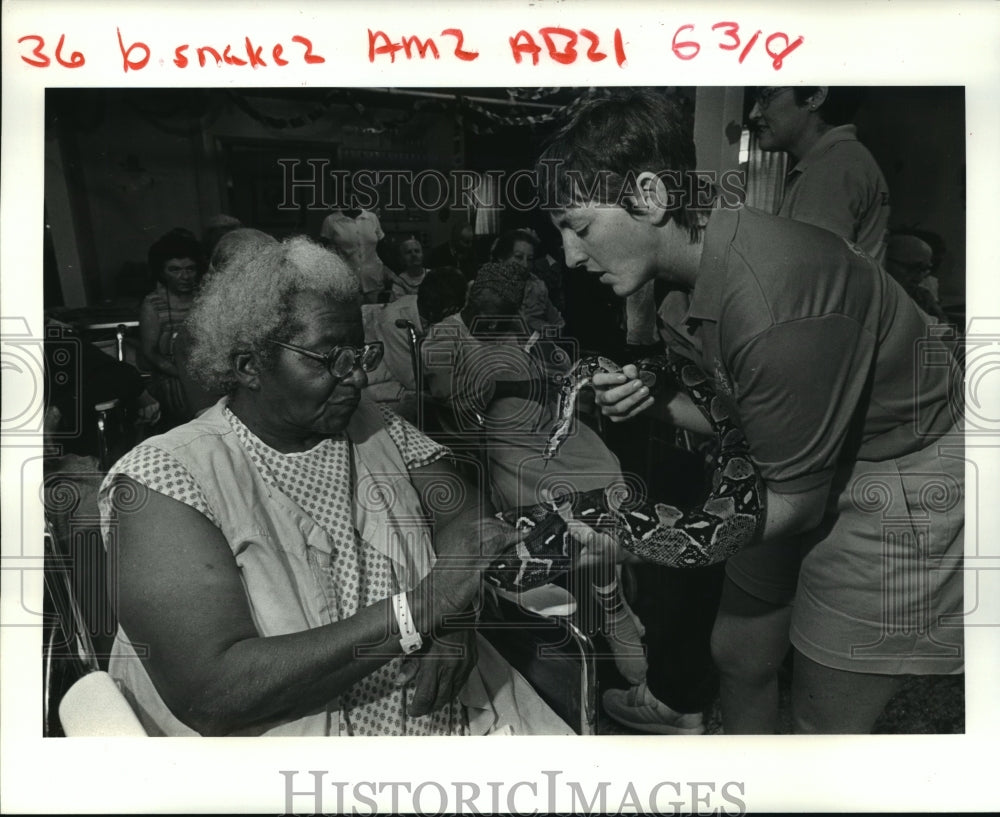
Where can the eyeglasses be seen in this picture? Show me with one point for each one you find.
(340, 361)
(764, 96)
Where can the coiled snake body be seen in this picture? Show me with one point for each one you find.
(729, 519)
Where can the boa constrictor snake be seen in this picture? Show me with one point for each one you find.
(729, 519)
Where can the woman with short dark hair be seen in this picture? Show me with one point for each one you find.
(177, 263)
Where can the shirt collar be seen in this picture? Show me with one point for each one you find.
(706, 297)
(840, 133)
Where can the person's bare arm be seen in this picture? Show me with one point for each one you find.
(149, 339)
(621, 396)
(461, 520)
(180, 595)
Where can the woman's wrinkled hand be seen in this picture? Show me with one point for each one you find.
(479, 541)
(597, 549)
(438, 672)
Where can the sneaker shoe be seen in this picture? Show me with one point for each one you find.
(636, 708)
(626, 647)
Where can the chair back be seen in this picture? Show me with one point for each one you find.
(117, 432)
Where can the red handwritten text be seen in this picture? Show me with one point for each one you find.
(39, 59)
(561, 45)
(246, 53)
(688, 49)
(136, 55)
(381, 44)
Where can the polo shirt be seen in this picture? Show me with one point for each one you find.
(820, 355)
(838, 186)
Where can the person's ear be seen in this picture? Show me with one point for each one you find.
(247, 368)
(652, 201)
(818, 97)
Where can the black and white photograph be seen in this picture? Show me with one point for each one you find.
(647, 420)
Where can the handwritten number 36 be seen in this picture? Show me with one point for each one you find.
(40, 60)
(689, 49)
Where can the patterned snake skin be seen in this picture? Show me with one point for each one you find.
(728, 520)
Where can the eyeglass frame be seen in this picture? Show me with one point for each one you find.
(763, 97)
(330, 358)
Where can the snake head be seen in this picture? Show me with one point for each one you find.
(578, 378)
(654, 372)
(587, 367)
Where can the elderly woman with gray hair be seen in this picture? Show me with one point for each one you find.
(287, 562)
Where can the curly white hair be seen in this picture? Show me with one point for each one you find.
(246, 305)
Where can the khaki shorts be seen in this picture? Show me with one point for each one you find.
(880, 585)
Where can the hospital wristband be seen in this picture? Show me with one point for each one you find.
(409, 638)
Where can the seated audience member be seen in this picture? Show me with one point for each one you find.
(936, 242)
(234, 248)
(411, 269)
(177, 263)
(475, 362)
(834, 182)
(909, 260)
(393, 382)
(458, 252)
(283, 535)
(520, 247)
(355, 235)
(548, 268)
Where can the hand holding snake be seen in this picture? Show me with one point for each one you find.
(729, 519)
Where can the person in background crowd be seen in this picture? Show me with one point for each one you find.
(520, 247)
(411, 268)
(475, 363)
(393, 382)
(910, 260)
(828, 369)
(177, 263)
(458, 252)
(938, 249)
(354, 235)
(834, 182)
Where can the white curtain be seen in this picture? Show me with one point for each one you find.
(765, 177)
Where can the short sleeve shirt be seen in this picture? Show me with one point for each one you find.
(816, 367)
(838, 186)
(356, 575)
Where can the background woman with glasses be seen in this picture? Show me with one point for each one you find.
(275, 556)
(833, 181)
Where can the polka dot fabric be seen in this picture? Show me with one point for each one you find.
(355, 575)
(416, 447)
(160, 472)
(319, 481)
